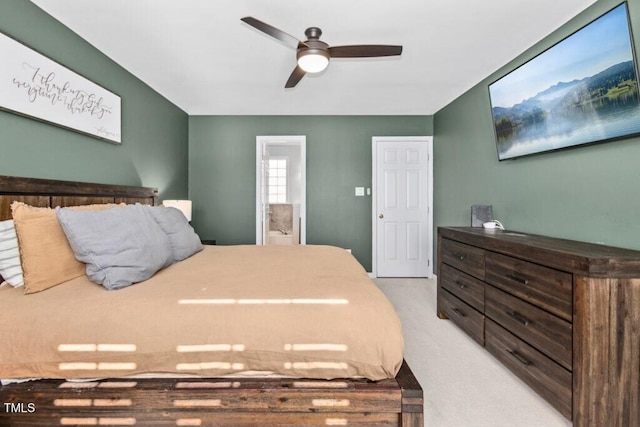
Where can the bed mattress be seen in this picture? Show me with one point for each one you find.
(296, 311)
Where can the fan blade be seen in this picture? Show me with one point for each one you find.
(364, 51)
(277, 34)
(297, 75)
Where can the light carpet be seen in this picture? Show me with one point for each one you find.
(463, 384)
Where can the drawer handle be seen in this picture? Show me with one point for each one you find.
(460, 284)
(458, 312)
(459, 256)
(520, 358)
(518, 279)
(519, 317)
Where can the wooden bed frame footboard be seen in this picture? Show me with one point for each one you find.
(192, 402)
(215, 402)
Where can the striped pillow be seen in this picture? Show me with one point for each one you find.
(10, 268)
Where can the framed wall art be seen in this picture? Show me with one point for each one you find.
(580, 91)
(35, 86)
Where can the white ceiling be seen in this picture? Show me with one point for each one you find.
(200, 56)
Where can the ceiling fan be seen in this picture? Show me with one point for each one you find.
(313, 55)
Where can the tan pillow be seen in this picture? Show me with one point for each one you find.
(45, 254)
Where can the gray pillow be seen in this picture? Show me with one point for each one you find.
(120, 246)
(183, 239)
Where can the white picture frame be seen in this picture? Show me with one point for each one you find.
(35, 86)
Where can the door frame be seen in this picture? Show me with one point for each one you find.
(263, 141)
(428, 140)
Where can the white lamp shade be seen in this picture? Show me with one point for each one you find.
(183, 206)
(313, 63)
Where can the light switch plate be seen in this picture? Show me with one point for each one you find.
(359, 191)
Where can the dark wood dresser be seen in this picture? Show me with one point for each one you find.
(564, 316)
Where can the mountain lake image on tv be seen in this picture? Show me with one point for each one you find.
(582, 90)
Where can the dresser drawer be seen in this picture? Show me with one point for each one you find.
(463, 257)
(462, 314)
(467, 288)
(545, 287)
(550, 334)
(546, 377)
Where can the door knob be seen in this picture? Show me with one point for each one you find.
(381, 216)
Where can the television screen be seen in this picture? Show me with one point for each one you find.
(580, 91)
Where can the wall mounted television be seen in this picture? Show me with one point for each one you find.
(582, 90)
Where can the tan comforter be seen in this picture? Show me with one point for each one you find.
(305, 311)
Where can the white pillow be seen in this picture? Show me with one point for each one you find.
(10, 268)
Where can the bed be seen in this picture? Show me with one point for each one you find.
(184, 374)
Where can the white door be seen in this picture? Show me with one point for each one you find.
(401, 206)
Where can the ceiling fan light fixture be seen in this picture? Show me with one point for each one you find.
(313, 60)
(313, 55)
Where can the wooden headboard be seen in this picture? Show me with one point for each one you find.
(52, 193)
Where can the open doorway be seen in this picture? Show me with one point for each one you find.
(281, 190)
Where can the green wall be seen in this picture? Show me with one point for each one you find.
(154, 150)
(589, 193)
(222, 178)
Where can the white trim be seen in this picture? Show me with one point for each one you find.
(261, 142)
(374, 145)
